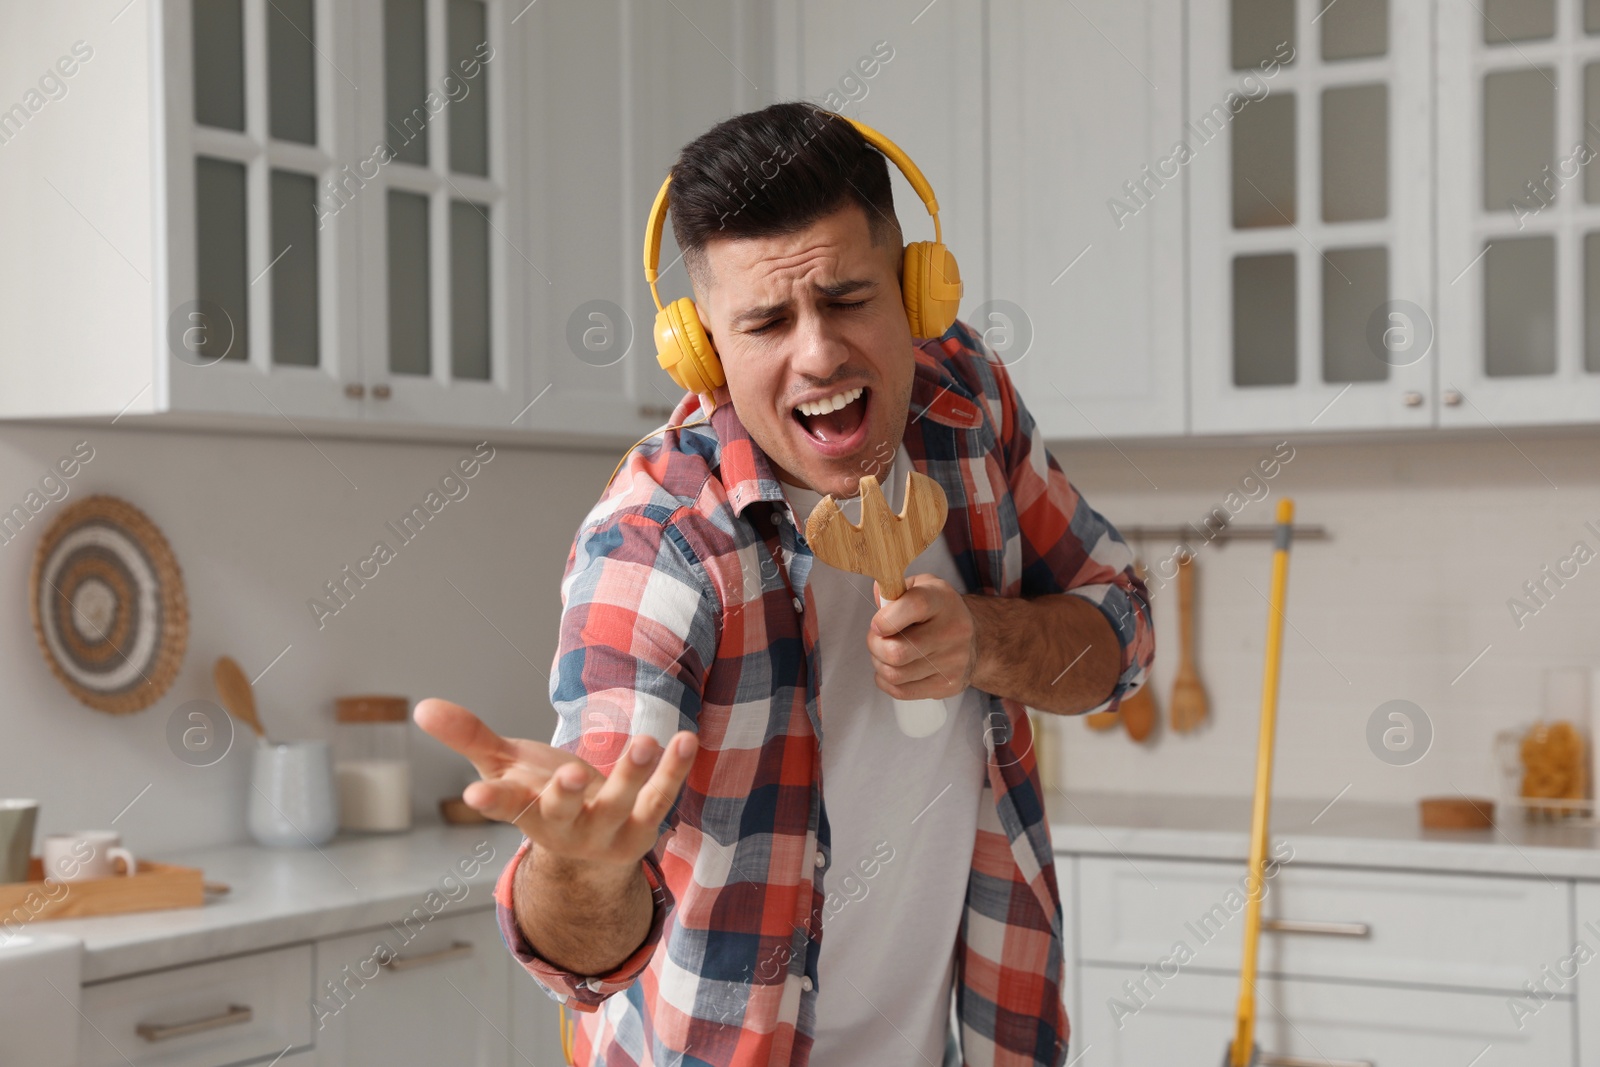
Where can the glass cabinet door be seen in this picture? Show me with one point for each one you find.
(1519, 157)
(261, 286)
(442, 262)
(1308, 142)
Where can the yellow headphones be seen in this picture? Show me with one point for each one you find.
(930, 287)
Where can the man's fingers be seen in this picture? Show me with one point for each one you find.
(656, 797)
(459, 729)
(503, 800)
(896, 651)
(912, 607)
(614, 802)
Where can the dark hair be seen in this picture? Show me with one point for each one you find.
(773, 172)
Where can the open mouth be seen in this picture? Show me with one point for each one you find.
(834, 421)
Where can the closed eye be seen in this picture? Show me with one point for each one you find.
(850, 306)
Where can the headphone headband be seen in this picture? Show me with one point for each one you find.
(658, 210)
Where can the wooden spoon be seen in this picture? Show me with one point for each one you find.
(1188, 695)
(234, 689)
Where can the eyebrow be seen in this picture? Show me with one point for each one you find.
(838, 289)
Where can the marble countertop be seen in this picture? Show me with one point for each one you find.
(283, 896)
(1344, 833)
(357, 881)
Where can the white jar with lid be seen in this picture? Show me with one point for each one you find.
(372, 762)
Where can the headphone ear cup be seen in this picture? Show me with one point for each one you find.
(931, 288)
(684, 349)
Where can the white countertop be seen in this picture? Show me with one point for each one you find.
(281, 896)
(357, 881)
(1348, 833)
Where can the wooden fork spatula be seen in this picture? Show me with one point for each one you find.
(881, 548)
(885, 543)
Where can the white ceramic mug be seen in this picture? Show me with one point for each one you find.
(86, 854)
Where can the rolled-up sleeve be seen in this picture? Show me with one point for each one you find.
(1067, 546)
(576, 991)
(637, 636)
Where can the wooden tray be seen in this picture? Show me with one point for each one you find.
(154, 887)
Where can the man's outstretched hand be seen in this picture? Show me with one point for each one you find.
(564, 805)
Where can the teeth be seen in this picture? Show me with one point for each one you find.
(831, 403)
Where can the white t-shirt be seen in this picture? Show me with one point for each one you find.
(902, 813)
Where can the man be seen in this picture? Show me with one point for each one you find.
(684, 864)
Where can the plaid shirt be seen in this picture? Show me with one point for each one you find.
(678, 616)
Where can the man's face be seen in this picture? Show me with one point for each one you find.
(815, 316)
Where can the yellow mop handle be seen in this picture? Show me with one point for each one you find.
(1244, 1033)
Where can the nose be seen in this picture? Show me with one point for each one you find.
(819, 348)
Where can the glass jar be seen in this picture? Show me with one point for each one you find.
(372, 762)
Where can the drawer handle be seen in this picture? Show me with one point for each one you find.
(1297, 926)
(236, 1015)
(404, 963)
(1269, 1059)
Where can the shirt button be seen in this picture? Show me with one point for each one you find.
(805, 983)
(820, 860)
(799, 605)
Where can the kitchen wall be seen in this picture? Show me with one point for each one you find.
(1430, 537)
(467, 610)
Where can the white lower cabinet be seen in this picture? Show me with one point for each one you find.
(535, 1021)
(1358, 967)
(1188, 1020)
(229, 1011)
(1470, 931)
(425, 991)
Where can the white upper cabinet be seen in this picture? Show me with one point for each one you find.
(1086, 306)
(615, 91)
(357, 245)
(914, 72)
(257, 296)
(1172, 216)
(1519, 260)
(1310, 240)
(442, 276)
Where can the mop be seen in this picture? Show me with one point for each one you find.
(1243, 1051)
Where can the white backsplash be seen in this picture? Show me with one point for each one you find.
(1429, 540)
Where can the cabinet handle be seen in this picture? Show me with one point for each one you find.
(1411, 399)
(1269, 1059)
(456, 950)
(381, 392)
(236, 1015)
(1299, 926)
(355, 390)
(1452, 398)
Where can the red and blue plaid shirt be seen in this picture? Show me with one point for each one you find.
(677, 616)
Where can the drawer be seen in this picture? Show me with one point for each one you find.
(1467, 931)
(1188, 1021)
(442, 997)
(204, 1015)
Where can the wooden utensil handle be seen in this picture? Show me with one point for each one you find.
(1186, 605)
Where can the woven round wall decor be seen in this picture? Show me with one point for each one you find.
(108, 605)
